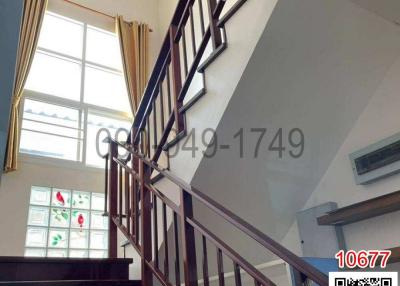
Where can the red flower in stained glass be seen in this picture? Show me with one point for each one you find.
(60, 198)
(81, 220)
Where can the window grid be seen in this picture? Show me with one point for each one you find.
(50, 206)
(84, 108)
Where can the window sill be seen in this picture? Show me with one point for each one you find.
(59, 163)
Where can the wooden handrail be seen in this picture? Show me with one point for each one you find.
(230, 217)
(133, 198)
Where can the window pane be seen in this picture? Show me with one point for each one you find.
(58, 238)
(98, 254)
(94, 125)
(106, 89)
(36, 135)
(78, 253)
(56, 253)
(40, 196)
(55, 76)
(48, 145)
(61, 198)
(98, 221)
(97, 201)
(81, 200)
(38, 216)
(103, 48)
(35, 252)
(59, 217)
(79, 239)
(38, 111)
(36, 237)
(80, 219)
(98, 240)
(62, 35)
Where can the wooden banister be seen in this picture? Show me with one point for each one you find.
(134, 201)
(188, 193)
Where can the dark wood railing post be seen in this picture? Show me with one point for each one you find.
(134, 189)
(176, 78)
(216, 34)
(188, 240)
(112, 200)
(145, 201)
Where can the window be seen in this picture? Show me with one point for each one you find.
(75, 89)
(66, 223)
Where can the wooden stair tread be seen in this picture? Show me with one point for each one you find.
(23, 259)
(63, 269)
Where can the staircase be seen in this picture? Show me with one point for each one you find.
(29, 271)
(143, 213)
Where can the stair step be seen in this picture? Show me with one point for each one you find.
(74, 283)
(214, 55)
(50, 269)
(193, 100)
(174, 141)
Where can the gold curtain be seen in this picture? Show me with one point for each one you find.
(134, 41)
(30, 28)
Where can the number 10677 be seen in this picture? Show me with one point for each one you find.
(362, 258)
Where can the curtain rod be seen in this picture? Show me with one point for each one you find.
(92, 10)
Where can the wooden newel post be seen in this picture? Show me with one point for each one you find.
(188, 240)
(112, 200)
(146, 239)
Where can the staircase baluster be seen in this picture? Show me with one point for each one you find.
(106, 185)
(162, 107)
(238, 280)
(201, 13)
(127, 202)
(176, 79)
(193, 34)
(120, 194)
(148, 136)
(215, 31)
(188, 240)
(205, 262)
(145, 202)
(169, 91)
(155, 141)
(176, 245)
(137, 213)
(133, 186)
(165, 234)
(220, 264)
(184, 50)
(169, 107)
(113, 201)
(155, 229)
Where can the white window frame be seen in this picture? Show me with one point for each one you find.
(83, 108)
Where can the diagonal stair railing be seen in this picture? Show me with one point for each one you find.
(133, 200)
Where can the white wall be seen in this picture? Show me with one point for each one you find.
(316, 67)
(15, 193)
(378, 121)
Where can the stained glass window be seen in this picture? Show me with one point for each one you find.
(66, 223)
